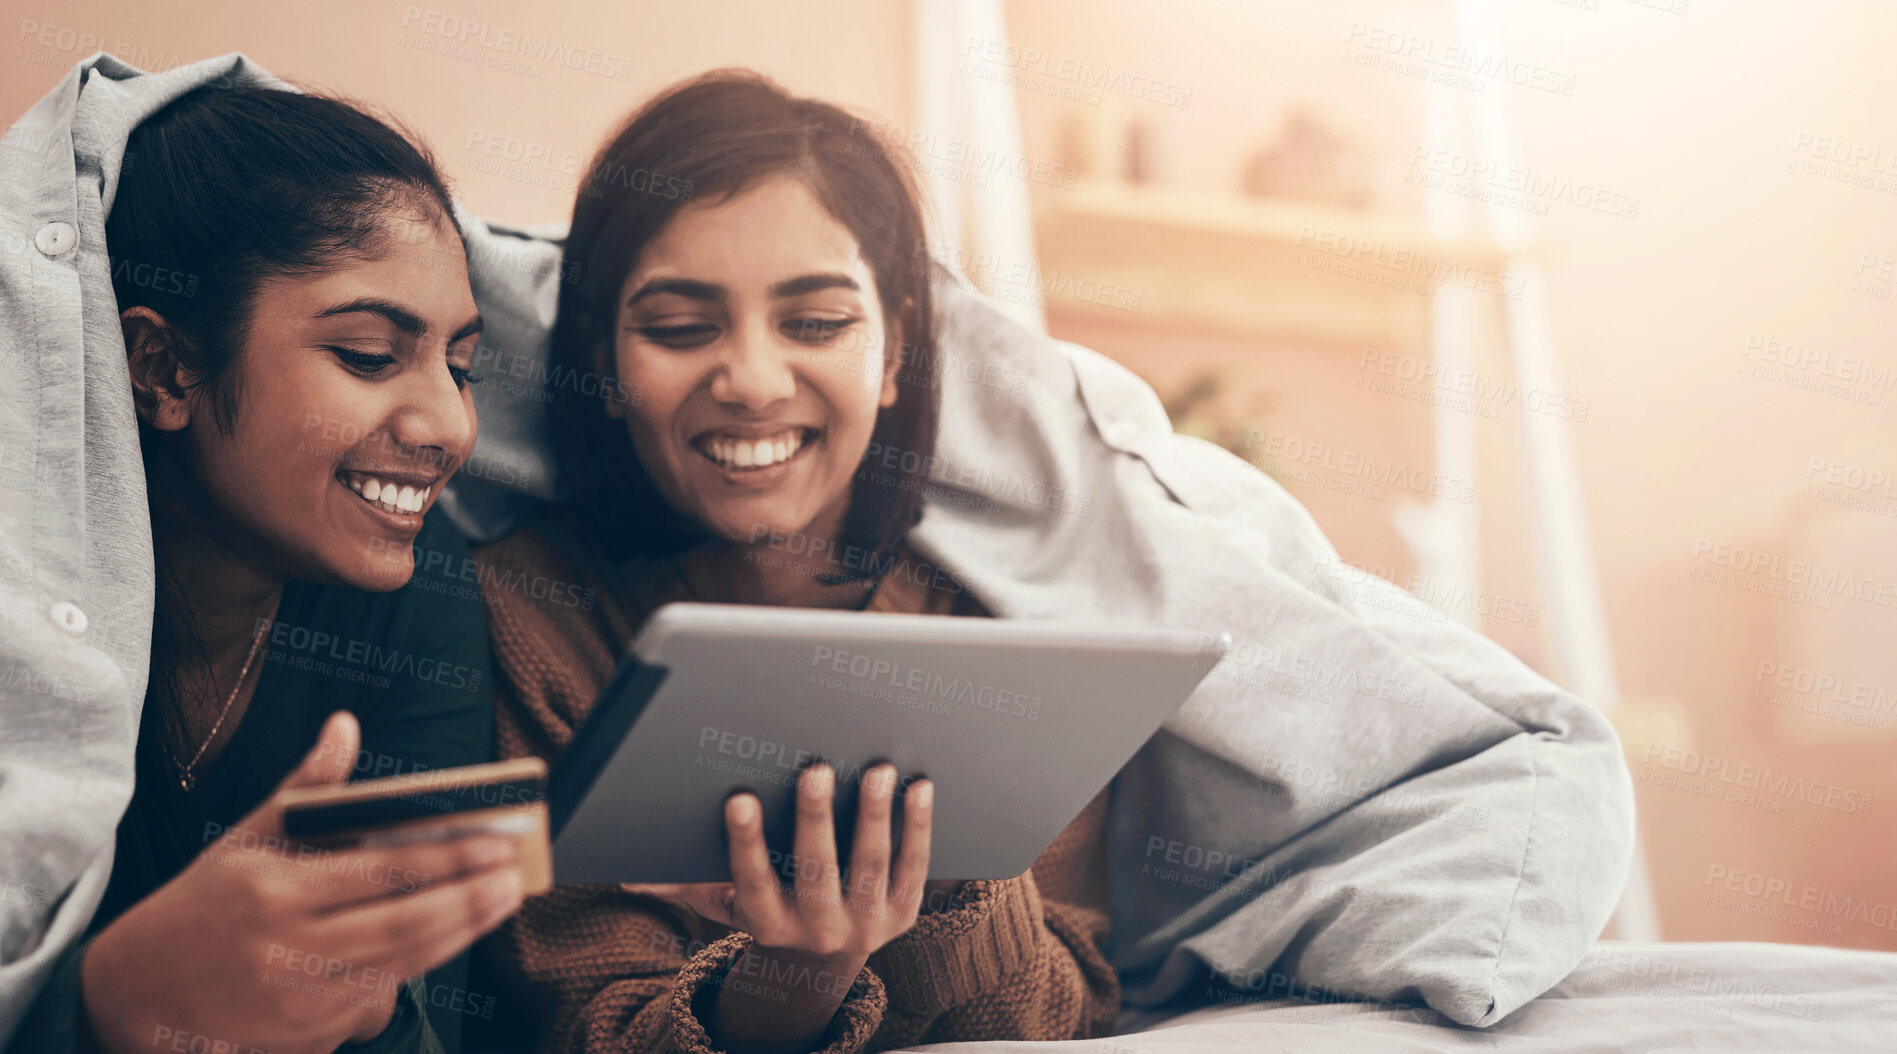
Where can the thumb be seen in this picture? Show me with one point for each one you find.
(332, 758)
(329, 761)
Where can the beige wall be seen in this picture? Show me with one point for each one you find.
(429, 65)
(1697, 115)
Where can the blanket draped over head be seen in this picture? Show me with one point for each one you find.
(1365, 798)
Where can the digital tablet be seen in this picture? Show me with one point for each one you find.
(1018, 724)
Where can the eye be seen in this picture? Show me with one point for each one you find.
(816, 330)
(462, 376)
(688, 335)
(360, 362)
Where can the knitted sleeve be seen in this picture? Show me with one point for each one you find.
(615, 971)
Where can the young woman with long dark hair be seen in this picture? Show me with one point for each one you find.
(293, 293)
(755, 274)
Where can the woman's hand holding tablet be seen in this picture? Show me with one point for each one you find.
(1022, 722)
(821, 927)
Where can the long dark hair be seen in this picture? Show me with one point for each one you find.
(219, 191)
(705, 139)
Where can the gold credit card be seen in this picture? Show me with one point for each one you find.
(504, 798)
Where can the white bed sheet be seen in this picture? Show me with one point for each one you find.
(1625, 996)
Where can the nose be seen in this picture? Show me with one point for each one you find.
(754, 372)
(434, 423)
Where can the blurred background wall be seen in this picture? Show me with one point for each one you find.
(1262, 207)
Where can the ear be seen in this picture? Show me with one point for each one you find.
(892, 365)
(161, 384)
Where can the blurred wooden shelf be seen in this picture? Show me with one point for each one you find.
(1279, 270)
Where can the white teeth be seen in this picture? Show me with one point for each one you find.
(759, 453)
(392, 497)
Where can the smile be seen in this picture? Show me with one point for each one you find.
(750, 454)
(387, 495)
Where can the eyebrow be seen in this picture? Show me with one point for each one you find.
(402, 318)
(398, 316)
(811, 283)
(688, 288)
(692, 289)
(468, 329)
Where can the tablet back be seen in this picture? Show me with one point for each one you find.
(1018, 723)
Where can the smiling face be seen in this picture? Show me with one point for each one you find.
(752, 329)
(352, 409)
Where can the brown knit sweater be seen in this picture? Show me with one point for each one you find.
(609, 970)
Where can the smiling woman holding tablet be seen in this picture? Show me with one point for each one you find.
(775, 329)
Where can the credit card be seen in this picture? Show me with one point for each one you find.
(504, 798)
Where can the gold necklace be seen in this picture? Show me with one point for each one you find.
(186, 779)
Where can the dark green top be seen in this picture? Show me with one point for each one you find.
(412, 665)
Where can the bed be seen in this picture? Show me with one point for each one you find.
(1625, 996)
